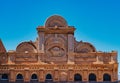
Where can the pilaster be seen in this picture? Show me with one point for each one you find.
(56, 76)
(41, 76)
(115, 73)
(27, 75)
(12, 77)
(70, 76)
(85, 75)
(99, 76)
(41, 34)
(70, 49)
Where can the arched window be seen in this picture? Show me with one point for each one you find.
(34, 77)
(19, 77)
(92, 77)
(48, 77)
(106, 77)
(77, 77)
(4, 76)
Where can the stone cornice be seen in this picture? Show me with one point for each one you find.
(57, 30)
(97, 53)
(54, 66)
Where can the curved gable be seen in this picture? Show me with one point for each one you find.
(84, 47)
(56, 21)
(26, 47)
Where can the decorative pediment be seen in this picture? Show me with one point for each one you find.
(26, 47)
(55, 20)
(84, 47)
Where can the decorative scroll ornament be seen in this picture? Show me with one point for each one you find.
(56, 52)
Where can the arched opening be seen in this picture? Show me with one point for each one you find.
(106, 77)
(4, 77)
(77, 77)
(48, 77)
(19, 77)
(34, 77)
(92, 77)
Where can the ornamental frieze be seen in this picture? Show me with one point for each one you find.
(26, 57)
(85, 57)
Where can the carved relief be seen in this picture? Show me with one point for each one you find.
(55, 38)
(85, 58)
(55, 46)
(63, 36)
(56, 51)
(26, 58)
(84, 47)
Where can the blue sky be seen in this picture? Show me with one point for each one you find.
(96, 21)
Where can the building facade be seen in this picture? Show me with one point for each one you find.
(56, 56)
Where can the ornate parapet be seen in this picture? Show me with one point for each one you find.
(96, 57)
(18, 58)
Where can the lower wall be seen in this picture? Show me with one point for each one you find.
(35, 81)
